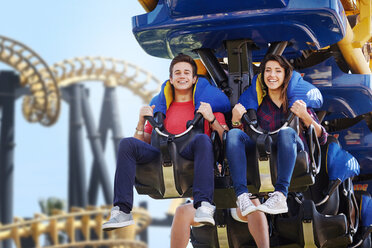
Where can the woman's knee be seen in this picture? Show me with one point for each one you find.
(286, 133)
(185, 213)
(234, 138)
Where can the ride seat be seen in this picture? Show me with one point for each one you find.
(262, 173)
(310, 228)
(228, 232)
(170, 175)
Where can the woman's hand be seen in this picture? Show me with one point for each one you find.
(206, 110)
(237, 112)
(299, 108)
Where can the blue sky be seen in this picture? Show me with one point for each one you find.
(59, 30)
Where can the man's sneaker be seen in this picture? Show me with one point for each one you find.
(245, 204)
(276, 204)
(117, 219)
(204, 213)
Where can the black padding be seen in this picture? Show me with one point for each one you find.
(237, 232)
(319, 190)
(328, 231)
(224, 193)
(149, 177)
(204, 237)
(302, 175)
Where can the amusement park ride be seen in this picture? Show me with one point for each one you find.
(328, 41)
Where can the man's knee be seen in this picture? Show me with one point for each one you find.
(202, 140)
(127, 143)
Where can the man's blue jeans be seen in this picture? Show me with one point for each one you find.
(134, 152)
(288, 143)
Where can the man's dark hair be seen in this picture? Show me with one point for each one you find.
(183, 58)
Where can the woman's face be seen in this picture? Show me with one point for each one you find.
(274, 75)
(182, 76)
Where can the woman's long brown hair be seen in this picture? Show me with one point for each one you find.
(288, 74)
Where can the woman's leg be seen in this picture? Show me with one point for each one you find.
(131, 152)
(288, 144)
(257, 226)
(236, 144)
(182, 220)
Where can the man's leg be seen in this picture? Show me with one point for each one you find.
(131, 152)
(200, 150)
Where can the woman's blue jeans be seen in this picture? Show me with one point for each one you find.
(238, 142)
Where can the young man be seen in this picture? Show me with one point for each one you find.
(137, 150)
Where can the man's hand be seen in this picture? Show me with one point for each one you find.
(145, 111)
(237, 112)
(206, 111)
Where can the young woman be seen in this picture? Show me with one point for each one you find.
(138, 150)
(276, 73)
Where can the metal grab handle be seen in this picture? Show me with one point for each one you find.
(158, 127)
(331, 190)
(256, 128)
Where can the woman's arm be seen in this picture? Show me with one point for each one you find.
(299, 109)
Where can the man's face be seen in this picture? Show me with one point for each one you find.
(182, 76)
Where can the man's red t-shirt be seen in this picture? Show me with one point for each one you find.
(177, 116)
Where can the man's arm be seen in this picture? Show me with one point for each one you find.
(140, 134)
(206, 110)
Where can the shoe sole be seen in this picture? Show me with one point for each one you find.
(271, 211)
(204, 221)
(248, 211)
(112, 226)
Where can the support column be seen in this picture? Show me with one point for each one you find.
(96, 146)
(9, 82)
(77, 194)
(109, 118)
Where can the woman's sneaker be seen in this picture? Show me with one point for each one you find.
(245, 204)
(204, 213)
(276, 204)
(117, 219)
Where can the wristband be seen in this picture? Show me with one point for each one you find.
(211, 122)
(139, 132)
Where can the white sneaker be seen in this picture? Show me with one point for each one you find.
(276, 204)
(204, 213)
(245, 204)
(117, 219)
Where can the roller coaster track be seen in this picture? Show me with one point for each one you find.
(43, 105)
(111, 71)
(84, 220)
